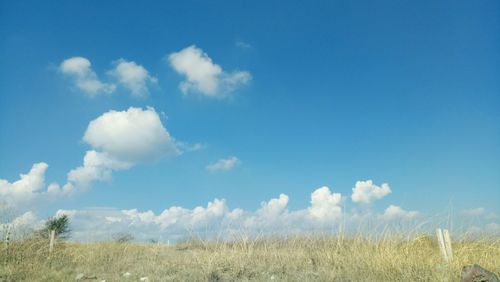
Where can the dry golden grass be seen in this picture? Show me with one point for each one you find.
(314, 258)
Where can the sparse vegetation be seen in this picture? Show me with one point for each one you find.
(59, 224)
(300, 258)
(122, 238)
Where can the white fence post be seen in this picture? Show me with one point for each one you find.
(444, 242)
(7, 238)
(7, 242)
(52, 238)
(447, 244)
(442, 247)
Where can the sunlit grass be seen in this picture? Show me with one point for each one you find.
(297, 258)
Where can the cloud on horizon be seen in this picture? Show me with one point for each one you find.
(325, 213)
(366, 192)
(176, 222)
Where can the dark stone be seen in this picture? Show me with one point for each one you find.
(475, 273)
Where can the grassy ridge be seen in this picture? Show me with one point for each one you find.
(312, 258)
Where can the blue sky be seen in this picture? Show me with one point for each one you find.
(329, 93)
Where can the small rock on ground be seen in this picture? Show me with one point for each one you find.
(475, 273)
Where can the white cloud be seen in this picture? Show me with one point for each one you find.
(97, 166)
(119, 140)
(26, 219)
(274, 207)
(325, 205)
(223, 164)
(366, 192)
(396, 212)
(204, 76)
(80, 70)
(132, 76)
(26, 188)
(134, 135)
(31, 187)
(20, 226)
(473, 212)
(216, 219)
(178, 222)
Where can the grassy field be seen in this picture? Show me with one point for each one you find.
(313, 258)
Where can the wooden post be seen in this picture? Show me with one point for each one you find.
(447, 244)
(7, 238)
(7, 242)
(442, 246)
(52, 238)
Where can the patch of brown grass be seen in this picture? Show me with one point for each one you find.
(300, 258)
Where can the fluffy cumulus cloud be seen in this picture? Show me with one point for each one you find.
(325, 205)
(367, 192)
(134, 135)
(203, 75)
(30, 186)
(216, 219)
(223, 164)
(324, 214)
(127, 74)
(274, 207)
(176, 222)
(80, 70)
(133, 77)
(119, 140)
(97, 166)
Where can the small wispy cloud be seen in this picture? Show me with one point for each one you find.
(396, 212)
(223, 164)
(473, 212)
(243, 45)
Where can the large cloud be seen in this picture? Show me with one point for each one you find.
(134, 135)
(133, 77)
(204, 76)
(80, 70)
(367, 192)
(324, 214)
(216, 219)
(119, 140)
